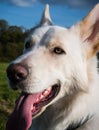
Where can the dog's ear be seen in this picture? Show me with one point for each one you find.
(46, 19)
(89, 29)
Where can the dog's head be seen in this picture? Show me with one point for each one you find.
(55, 63)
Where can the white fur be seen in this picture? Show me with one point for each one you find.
(79, 93)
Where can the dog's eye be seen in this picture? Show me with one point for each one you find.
(58, 50)
(28, 44)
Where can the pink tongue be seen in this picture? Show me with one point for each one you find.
(21, 118)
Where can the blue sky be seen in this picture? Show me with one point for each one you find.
(27, 13)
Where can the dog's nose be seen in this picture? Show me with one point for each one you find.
(16, 73)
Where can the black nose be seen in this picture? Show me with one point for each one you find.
(16, 73)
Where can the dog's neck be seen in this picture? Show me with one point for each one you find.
(74, 126)
(52, 116)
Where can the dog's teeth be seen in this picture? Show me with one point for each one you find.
(46, 92)
(49, 89)
(41, 97)
(37, 100)
(33, 109)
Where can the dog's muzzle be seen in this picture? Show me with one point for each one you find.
(28, 105)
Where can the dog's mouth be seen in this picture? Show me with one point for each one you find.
(29, 106)
(44, 99)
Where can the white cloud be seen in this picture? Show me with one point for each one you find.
(23, 2)
(20, 2)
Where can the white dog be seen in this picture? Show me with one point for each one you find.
(58, 76)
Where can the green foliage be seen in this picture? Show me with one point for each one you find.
(7, 97)
(10, 51)
(11, 41)
(11, 46)
(3, 25)
(12, 34)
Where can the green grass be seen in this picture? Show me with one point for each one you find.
(7, 97)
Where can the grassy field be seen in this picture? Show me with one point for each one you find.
(7, 97)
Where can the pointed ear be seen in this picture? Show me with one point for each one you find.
(46, 20)
(89, 29)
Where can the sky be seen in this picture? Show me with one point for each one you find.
(27, 13)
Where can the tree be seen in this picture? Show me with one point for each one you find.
(16, 34)
(3, 25)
